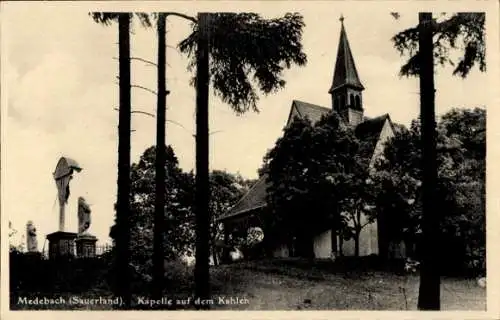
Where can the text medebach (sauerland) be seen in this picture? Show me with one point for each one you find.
(72, 300)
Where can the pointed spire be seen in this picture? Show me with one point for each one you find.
(345, 70)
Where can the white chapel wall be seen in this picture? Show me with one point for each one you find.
(323, 245)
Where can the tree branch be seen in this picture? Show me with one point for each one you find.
(144, 88)
(148, 62)
(167, 120)
(180, 125)
(144, 60)
(180, 15)
(145, 113)
(140, 112)
(141, 87)
(214, 132)
(364, 225)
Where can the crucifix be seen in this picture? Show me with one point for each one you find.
(63, 175)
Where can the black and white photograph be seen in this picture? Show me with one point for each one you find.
(249, 156)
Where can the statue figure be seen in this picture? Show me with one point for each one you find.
(31, 241)
(83, 215)
(63, 175)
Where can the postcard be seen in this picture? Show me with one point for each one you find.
(232, 158)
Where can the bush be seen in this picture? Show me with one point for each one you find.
(460, 258)
(179, 276)
(30, 272)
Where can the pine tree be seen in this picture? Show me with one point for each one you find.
(238, 44)
(431, 41)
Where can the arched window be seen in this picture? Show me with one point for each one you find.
(351, 100)
(335, 103)
(341, 101)
(358, 102)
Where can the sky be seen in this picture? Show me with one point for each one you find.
(60, 92)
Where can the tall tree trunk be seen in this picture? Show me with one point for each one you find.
(201, 272)
(341, 244)
(335, 232)
(123, 193)
(159, 218)
(356, 243)
(357, 232)
(334, 242)
(429, 291)
(214, 255)
(213, 242)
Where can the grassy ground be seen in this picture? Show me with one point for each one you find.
(270, 287)
(278, 285)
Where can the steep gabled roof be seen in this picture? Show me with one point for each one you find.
(311, 111)
(253, 199)
(368, 131)
(345, 69)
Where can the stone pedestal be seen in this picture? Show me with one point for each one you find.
(85, 246)
(61, 244)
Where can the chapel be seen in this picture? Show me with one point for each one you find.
(346, 93)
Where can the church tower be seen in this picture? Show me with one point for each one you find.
(346, 89)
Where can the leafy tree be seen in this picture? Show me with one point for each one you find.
(245, 43)
(463, 32)
(239, 45)
(396, 184)
(318, 175)
(460, 186)
(342, 165)
(178, 235)
(463, 175)
(288, 196)
(19, 248)
(469, 126)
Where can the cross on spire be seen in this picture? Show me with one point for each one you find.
(341, 18)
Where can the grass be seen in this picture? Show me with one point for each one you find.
(299, 285)
(269, 286)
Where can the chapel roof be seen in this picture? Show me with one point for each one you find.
(368, 130)
(253, 199)
(311, 111)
